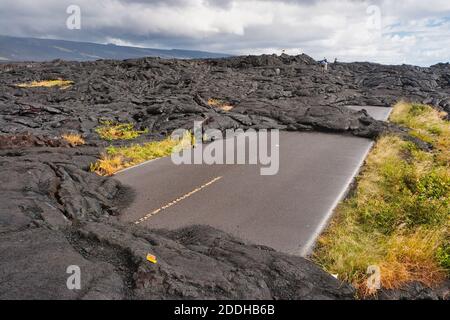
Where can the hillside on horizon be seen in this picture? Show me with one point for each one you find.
(15, 49)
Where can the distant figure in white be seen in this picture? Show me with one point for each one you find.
(324, 64)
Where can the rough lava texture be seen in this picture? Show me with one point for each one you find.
(416, 291)
(54, 213)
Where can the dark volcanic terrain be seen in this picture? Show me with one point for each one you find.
(54, 213)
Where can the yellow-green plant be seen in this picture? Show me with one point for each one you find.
(63, 84)
(110, 130)
(117, 158)
(220, 104)
(74, 139)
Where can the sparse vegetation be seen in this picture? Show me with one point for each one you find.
(73, 139)
(426, 124)
(220, 104)
(443, 255)
(63, 84)
(110, 130)
(117, 158)
(399, 216)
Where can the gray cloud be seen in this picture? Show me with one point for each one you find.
(411, 31)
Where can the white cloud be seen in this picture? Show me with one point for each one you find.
(411, 31)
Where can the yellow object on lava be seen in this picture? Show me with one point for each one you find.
(151, 258)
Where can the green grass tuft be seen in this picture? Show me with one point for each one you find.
(443, 255)
(118, 158)
(110, 130)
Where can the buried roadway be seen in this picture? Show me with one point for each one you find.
(286, 211)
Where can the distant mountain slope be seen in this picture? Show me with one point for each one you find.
(33, 49)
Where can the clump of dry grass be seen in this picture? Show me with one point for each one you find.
(399, 216)
(118, 158)
(107, 165)
(411, 256)
(63, 84)
(73, 139)
(220, 104)
(110, 130)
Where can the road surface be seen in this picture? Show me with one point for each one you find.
(286, 211)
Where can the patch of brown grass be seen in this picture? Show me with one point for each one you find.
(220, 104)
(408, 257)
(63, 84)
(107, 165)
(412, 257)
(73, 139)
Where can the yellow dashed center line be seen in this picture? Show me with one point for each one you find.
(185, 196)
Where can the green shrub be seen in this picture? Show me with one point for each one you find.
(443, 256)
(110, 130)
(418, 109)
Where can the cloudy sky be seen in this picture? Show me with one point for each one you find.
(386, 31)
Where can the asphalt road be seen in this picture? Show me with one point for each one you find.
(286, 211)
